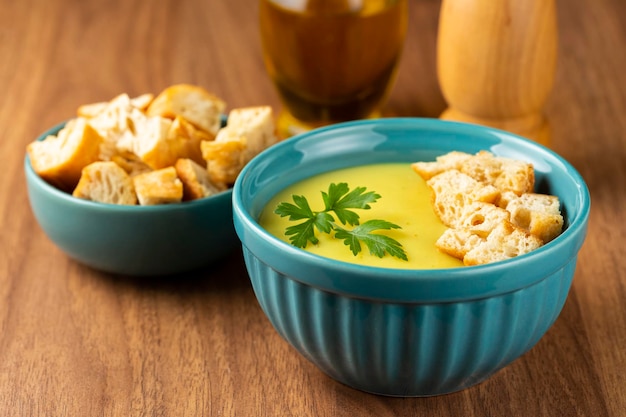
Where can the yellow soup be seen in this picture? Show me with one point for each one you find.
(405, 201)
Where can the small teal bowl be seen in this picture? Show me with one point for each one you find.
(133, 240)
(406, 332)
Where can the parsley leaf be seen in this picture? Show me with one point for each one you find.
(341, 201)
(301, 234)
(295, 212)
(377, 244)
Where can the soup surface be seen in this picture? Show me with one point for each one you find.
(405, 201)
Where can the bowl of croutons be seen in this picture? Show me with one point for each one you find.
(143, 185)
(407, 256)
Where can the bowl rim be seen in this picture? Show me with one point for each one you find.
(444, 284)
(33, 178)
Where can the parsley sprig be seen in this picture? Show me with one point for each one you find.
(342, 202)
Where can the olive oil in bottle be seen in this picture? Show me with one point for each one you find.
(331, 60)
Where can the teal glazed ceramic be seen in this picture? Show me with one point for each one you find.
(406, 332)
(133, 240)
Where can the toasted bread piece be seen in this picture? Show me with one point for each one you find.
(193, 103)
(131, 164)
(481, 218)
(451, 160)
(539, 214)
(188, 139)
(505, 198)
(457, 242)
(150, 141)
(94, 109)
(91, 110)
(453, 191)
(195, 179)
(108, 116)
(115, 122)
(159, 142)
(142, 102)
(504, 242)
(60, 159)
(456, 182)
(506, 174)
(106, 182)
(488, 205)
(249, 131)
(225, 159)
(158, 187)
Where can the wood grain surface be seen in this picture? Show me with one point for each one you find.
(77, 342)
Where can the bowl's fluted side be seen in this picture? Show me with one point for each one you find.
(408, 349)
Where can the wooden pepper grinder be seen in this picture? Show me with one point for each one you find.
(496, 61)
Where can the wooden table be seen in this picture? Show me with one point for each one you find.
(77, 342)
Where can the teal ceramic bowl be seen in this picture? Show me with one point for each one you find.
(133, 240)
(406, 332)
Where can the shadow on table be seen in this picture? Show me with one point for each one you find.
(224, 275)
